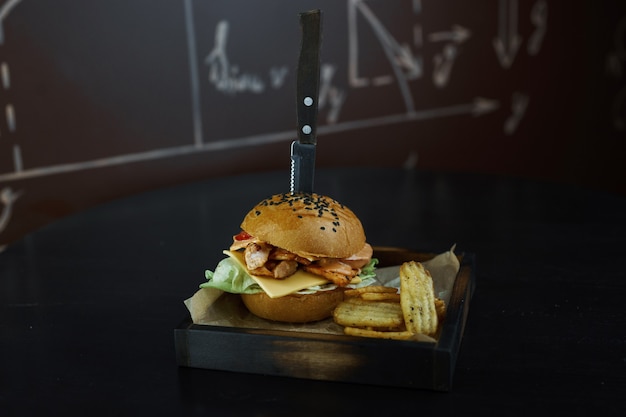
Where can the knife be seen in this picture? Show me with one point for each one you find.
(307, 94)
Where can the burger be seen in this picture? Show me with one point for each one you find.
(295, 255)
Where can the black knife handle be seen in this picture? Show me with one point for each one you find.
(308, 76)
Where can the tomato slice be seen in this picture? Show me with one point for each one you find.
(243, 235)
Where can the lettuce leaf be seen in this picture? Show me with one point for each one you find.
(368, 272)
(230, 276)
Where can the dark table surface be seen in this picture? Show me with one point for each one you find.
(89, 303)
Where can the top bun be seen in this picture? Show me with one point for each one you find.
(309, 225)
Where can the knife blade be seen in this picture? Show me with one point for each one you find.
(307, 94)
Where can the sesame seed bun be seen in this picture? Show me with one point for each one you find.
(310, 225)
(294, 308)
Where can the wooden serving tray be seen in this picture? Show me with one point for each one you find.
(337, 357)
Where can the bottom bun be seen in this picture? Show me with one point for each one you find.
(294, 308)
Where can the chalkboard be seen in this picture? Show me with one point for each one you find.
(103, 99)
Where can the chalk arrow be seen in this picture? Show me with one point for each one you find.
(506, 52)
(508, 41)
(407, 60)
(477, 107)
(404, 56)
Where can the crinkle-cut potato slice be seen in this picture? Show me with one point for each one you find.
(441, 308)
(417, 298)
(372, 289)
(356, 312)
(377, 334)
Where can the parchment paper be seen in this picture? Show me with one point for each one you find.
(213, 307)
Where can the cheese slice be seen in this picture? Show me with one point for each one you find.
(280, 287)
